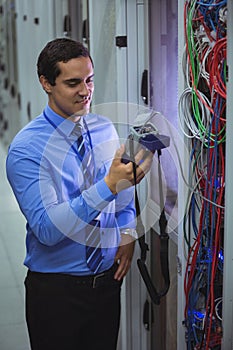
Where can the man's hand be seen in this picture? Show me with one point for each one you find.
(124, 256)
(121, 175)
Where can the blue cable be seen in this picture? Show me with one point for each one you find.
(221, 3)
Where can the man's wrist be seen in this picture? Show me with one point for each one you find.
(130, 231)
(110, 185)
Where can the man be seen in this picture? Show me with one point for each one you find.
(67, 193)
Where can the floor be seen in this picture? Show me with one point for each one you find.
(13, 333)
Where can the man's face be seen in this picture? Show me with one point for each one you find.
(72, 94)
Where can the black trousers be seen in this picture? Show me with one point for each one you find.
(65, 312)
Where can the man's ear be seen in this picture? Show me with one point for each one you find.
(45, 84)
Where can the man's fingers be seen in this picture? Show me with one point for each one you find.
(119, 153)
(142, 155)
(122, 270)
(139, 156)
(144, 166)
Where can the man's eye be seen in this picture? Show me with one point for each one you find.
(72, 84)
(91, 80)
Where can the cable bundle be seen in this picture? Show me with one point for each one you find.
(202, 110)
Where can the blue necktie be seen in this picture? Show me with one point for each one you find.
(93, 246)
(94, 255)
(85, 153)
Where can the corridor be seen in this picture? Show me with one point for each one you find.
(13, 334)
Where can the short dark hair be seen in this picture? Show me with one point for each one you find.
(58, 50)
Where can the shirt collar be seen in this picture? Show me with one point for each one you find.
(66, 126)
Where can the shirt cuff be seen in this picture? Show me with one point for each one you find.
(98, 196)
(104, 191)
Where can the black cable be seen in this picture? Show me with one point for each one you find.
(154, 295)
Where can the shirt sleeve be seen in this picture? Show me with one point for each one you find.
(125, 210)
(35, 189)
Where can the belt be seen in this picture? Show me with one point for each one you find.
(93, 281)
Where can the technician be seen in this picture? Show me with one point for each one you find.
(66, 173)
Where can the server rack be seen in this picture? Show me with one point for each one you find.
(205, 303)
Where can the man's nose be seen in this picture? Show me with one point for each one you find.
(84, 90)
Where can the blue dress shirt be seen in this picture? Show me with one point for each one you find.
(45, 174)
